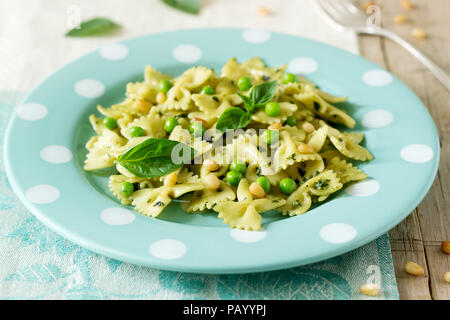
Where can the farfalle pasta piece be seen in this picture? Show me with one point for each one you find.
(141, 90)
(183, 135)
(153, 77)
(312, 99)
(193, 78)
(350, 149)
(253, 68)
(245, 213)
(324, 183)
(317, 138)
(210, 106)
(152, 201)
(297, 134)
(153, 125)
(313, 167)
(208, 199)
(253, 172)
(345, 171)
(116, 180)
(286, 109)
(245, 147)
(287, 153)
(297, 203)
(103, 149)
(356, 137)
(319, 186)
(178, 99)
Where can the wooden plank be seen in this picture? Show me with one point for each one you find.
(405, 239)
(429, 225)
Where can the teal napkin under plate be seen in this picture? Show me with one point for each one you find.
(37, 263)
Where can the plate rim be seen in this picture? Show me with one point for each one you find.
(165, 264)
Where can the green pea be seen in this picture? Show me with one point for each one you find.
(238, 166)
(264, 183)
(197, 128)
(170, 124)
(272, 109)
(288, 186)
(289, 77)
(126, 188)
(244, 83)
(207, 90)
(270, 136)
(164, 86)
(291, 121)
(233, 177)
(137, 132)
(110, 123)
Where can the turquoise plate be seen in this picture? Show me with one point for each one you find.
(45, 152)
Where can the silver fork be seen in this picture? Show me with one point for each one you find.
(343, 15)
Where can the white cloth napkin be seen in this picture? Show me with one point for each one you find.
(32, 42)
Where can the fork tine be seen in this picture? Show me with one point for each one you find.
(324, 7)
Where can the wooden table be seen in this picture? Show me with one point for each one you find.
(418, 238)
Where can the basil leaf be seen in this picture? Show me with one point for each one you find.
(233, 118)
(189, 6)
(93, 27)
(263, 93)
(153, 157)
(247, 104)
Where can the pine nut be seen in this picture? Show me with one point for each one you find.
(414, 269)
(212, 182)
(308, 127)
(143, 106)
(304, 148)
(171, 179)
(400, 18)
(370, 289)
(407, 4)
(257, 190)
(160, 97)
(275, 126)
(445, 245)
(419, 33)
(210, 165)
(205, 124)
(447, 276)
(369, 4)
(263, 11)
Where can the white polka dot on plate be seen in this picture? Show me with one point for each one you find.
(417, 153)
(302, 65)
(377, 118)
(167, 249)
(363, 188)
(115, 51)
(187, 53)
(247, 236)
(42, 194)
(89, 88)
(56, 154)
(377, 78)
(337, 233)
(117, 216)
(31, 111)
(256, 36)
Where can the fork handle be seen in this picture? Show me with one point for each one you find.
(439, 73)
